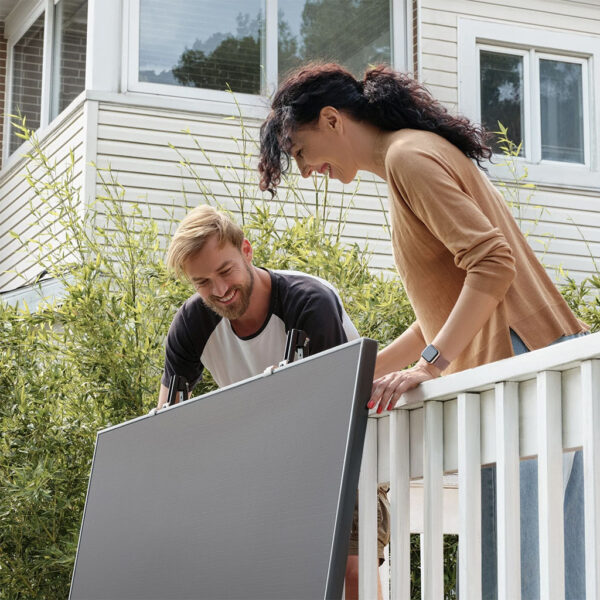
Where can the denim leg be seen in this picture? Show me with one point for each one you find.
(489, 556)
(575, 532)
(530, 552)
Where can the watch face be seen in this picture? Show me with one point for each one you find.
(430, 353)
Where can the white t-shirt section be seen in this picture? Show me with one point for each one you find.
(230, 358)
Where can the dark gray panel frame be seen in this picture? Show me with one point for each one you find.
(246, 492)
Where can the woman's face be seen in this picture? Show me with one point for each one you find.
(322, 147)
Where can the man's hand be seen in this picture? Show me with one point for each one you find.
(387, 389)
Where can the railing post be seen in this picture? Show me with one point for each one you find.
(590, 391)
(550, 485)
(508, 497)
(469, 494)
(432, 566)
(400, 504)
(368, 563)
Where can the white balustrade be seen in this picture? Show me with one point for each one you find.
(539, 404)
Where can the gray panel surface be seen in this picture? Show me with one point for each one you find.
(246, 492)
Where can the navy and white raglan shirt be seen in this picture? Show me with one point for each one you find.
(199, 338)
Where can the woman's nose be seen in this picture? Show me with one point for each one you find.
(304, 169)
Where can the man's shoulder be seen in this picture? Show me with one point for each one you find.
(194, 316)
(297, 285)
(294, 293)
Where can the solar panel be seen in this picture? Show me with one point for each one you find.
(246, 492)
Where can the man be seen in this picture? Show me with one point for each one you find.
(236, 324)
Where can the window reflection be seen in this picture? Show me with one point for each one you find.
(203, 44)
(26, 97)
(502, 95)
(355, 33)
(561, 107)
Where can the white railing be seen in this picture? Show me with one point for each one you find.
(537, 404)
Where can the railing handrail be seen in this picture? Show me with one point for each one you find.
(558, 357)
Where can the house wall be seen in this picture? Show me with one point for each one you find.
(567, 227)
(3, 57)
(134, 134)
(17, 196)
(135, 141)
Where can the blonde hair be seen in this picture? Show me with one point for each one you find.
(195, 230)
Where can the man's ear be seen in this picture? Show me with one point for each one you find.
(331, 119)
(246, 250)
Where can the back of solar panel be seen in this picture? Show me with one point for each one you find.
(246, 492)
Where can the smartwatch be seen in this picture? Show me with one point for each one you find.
(432, 355)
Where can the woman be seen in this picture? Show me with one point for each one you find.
(477, 289)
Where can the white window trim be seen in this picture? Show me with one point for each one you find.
(400, 44)
(474, 33)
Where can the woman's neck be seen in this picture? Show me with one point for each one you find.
(370, 146)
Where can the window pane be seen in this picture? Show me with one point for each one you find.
(502, 94)
(68, 62)
(202, 43)
(561, 107)
(26, 97)
(354, 33)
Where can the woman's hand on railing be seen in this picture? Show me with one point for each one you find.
(387, 390)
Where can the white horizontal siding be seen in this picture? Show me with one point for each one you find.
(17, 196)
(136, 143)
(563, 229)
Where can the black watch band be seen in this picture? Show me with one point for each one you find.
(433, 356)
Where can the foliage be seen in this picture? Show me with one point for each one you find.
(93, 357)
(450, 566)
(584, 299)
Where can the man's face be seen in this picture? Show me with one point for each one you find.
(223, 276)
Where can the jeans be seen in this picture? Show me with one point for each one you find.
(573, 514)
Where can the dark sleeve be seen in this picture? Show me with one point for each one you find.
(182, 354)
(319, 315)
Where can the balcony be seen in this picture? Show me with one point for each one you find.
(540, 405)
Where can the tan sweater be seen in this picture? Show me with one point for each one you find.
(451, 227)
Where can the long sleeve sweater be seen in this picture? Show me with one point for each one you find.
(450, 228)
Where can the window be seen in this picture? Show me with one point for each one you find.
(68, 54)
(26, 85)
(46, 64)
(249, 45)
(511, 81)
(543, 86)
(501, 92)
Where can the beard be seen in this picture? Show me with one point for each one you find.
(240, 305)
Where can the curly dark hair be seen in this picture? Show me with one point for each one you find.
(385, 98)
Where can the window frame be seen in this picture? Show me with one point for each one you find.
(16, 26)
(534, 44)
(399, 44)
